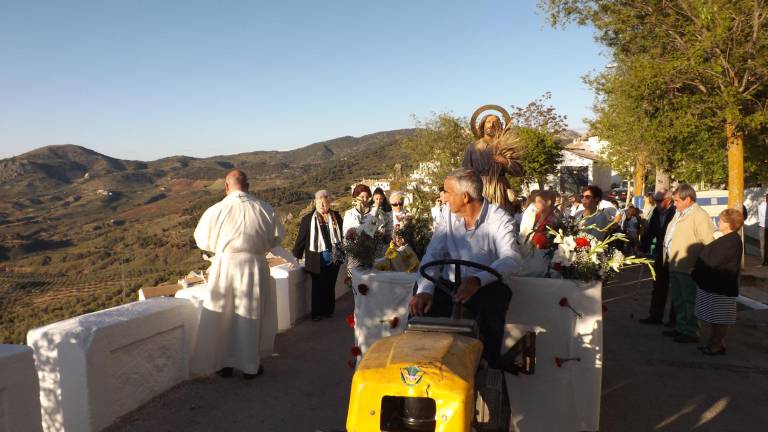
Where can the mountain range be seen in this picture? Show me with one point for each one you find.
(81, 231)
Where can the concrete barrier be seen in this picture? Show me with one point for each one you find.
(19, 390)
(97, 367)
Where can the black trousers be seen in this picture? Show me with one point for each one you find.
(660, 293)
(324, 290)
(488, 307)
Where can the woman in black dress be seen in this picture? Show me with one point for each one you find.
(716, 273)
(319, 242)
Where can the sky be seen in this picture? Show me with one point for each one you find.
(149, 79)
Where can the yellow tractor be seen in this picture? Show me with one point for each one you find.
(432, 377)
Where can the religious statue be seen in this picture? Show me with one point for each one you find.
(490, 158)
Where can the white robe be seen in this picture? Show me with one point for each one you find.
(239, 318)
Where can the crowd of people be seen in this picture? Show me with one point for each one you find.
(476, 218)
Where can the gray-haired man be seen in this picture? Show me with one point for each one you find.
(478, 231)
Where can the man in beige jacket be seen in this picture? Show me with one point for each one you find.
(690, 230)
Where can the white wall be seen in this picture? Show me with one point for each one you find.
(19, 390)
(97, 367)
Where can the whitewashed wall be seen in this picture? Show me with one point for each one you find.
(97, 367)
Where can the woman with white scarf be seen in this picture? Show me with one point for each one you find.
(319, 241)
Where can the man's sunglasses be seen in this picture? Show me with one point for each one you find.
(586, 196)
(397, 204)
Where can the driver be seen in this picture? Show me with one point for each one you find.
(477, 231)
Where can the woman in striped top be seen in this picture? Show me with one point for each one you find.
(716, 273)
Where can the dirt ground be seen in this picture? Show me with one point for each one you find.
(649, 384)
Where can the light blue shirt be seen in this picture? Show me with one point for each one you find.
(490, 242)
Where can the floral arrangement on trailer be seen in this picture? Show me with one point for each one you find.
(577, 254)
(370, 247)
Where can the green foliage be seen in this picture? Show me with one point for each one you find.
(439, 142)
(683, 71)
(541, 154)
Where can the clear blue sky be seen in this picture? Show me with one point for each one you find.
(148, 79)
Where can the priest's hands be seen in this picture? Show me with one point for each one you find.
(420, 304)
(469, 286)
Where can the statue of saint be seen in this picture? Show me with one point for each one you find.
(490, 161)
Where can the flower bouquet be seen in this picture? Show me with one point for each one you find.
(363, 245)
(411, 236)
(579, 255)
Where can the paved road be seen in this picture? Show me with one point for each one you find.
(649, 383)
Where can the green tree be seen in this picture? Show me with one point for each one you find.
(438, 146)
(537, 126)
(710, 57)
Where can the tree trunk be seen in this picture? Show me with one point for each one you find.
(663, 180)
(639, 184)
(735, 139)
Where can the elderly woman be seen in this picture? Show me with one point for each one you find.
(319, 242)
(397, 201)
(716, 273)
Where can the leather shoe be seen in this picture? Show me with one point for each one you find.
(670, 333)
(649, 321)
(225, 372)
(252, 376)
(684, 338)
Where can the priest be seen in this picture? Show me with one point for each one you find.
(240, 230)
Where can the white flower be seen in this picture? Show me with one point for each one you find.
(616, 261)
(568, 244)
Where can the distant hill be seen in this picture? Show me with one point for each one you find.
(81, 231)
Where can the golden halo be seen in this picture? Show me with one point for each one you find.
(473, 119)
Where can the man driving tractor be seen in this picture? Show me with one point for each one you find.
(477, 231)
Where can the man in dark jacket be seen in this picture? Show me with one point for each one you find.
(651, 244)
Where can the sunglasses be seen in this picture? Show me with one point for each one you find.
(397, 204)
(586, 196)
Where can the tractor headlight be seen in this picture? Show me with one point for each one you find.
(408, 414)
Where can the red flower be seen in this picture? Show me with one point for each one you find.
(351, 234)
(351, 320)
(393, 322)
(356, 351)
(564, 303)
(362, 289)
(348, 281)
(582, 242)
(351, 364)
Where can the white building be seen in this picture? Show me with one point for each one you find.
(582, 166)
(384, 184)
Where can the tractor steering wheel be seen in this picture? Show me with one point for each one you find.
(449, 287)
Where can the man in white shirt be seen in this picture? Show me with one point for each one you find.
(762, 221)
(437, 210)
(477, 231)
(240, 230)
